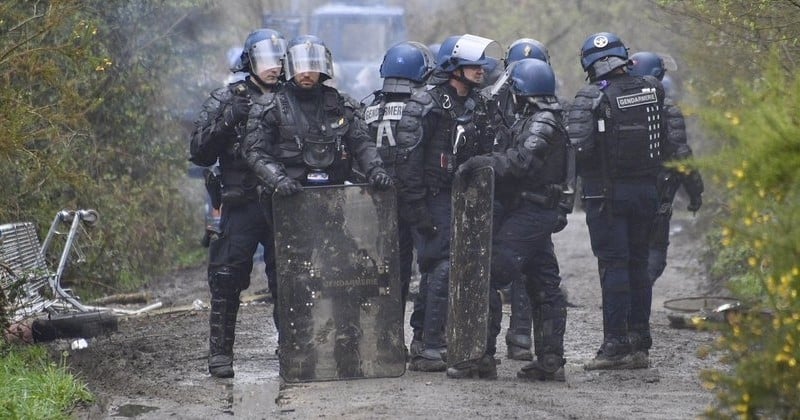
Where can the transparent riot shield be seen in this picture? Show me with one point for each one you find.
(470, 266)
(339, 300)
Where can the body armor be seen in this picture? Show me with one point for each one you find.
(311, 137)
(621, 119)
(461, 131)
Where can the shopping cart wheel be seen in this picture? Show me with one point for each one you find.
(75, 325)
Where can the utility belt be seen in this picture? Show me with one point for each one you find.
(548, 196)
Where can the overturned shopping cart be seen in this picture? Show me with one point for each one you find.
(30, 278)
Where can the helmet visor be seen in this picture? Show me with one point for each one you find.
(472, 49)
(267, 54)
(308, 57)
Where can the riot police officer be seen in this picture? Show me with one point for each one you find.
(617, 126)
(405, 69)
(217, 137)
(518, 335)
(529, 175)
(670, 179)
(307, 134)
(427, 174)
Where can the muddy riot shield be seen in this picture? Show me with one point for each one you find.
(339, 296)
(470, 266)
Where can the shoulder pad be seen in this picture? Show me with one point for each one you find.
(420, 103)
(222, 94)
(422, 97)
(546, 117)
(351, 103)
(587, 98)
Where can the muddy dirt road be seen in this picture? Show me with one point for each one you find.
(154, 367)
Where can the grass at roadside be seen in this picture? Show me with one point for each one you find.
(32, 386)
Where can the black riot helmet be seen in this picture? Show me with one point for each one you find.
(307, 53)
(526, 48)
(601, 53)
(265, 47)
(646, 63)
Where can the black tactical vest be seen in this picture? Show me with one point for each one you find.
(631, 128)
(312, 137)
(443, 154)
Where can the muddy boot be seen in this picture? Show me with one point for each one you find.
(549, 367)
(429, 360)
(614, 354)
(222, 321)
(519, 347)
(483, 368)
(641, 341)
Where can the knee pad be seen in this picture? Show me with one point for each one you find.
(226, 282)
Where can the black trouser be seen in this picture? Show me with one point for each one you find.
(433, 254)
(522, 243)
(620, 231)
(242, 228)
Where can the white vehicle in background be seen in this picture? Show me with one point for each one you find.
(358, 35)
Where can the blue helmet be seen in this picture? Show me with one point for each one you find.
(307, 53)
(407, 60)
(444, 49)
(526, 48)
(602, 45)
(532, 77)
(465, 50)
(646, 63)
(264, 46)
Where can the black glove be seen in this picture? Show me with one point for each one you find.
(236, 111)
(472, 164)
(695, 202)
(288, 186)
(379, 179)
(561, 223)
(420, 217)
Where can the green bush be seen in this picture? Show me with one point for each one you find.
(88, 120)
(33, 387)
(759, 169)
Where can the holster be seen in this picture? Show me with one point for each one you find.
(214, 187)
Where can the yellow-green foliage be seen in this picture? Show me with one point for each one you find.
(760, 171)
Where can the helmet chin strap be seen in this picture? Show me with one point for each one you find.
(458, 74)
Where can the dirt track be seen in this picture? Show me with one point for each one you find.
(154, 367)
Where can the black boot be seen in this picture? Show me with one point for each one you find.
(483, 368)
(222, 321)
(549, 367)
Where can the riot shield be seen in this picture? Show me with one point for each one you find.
(470, 266)
(339, 297)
